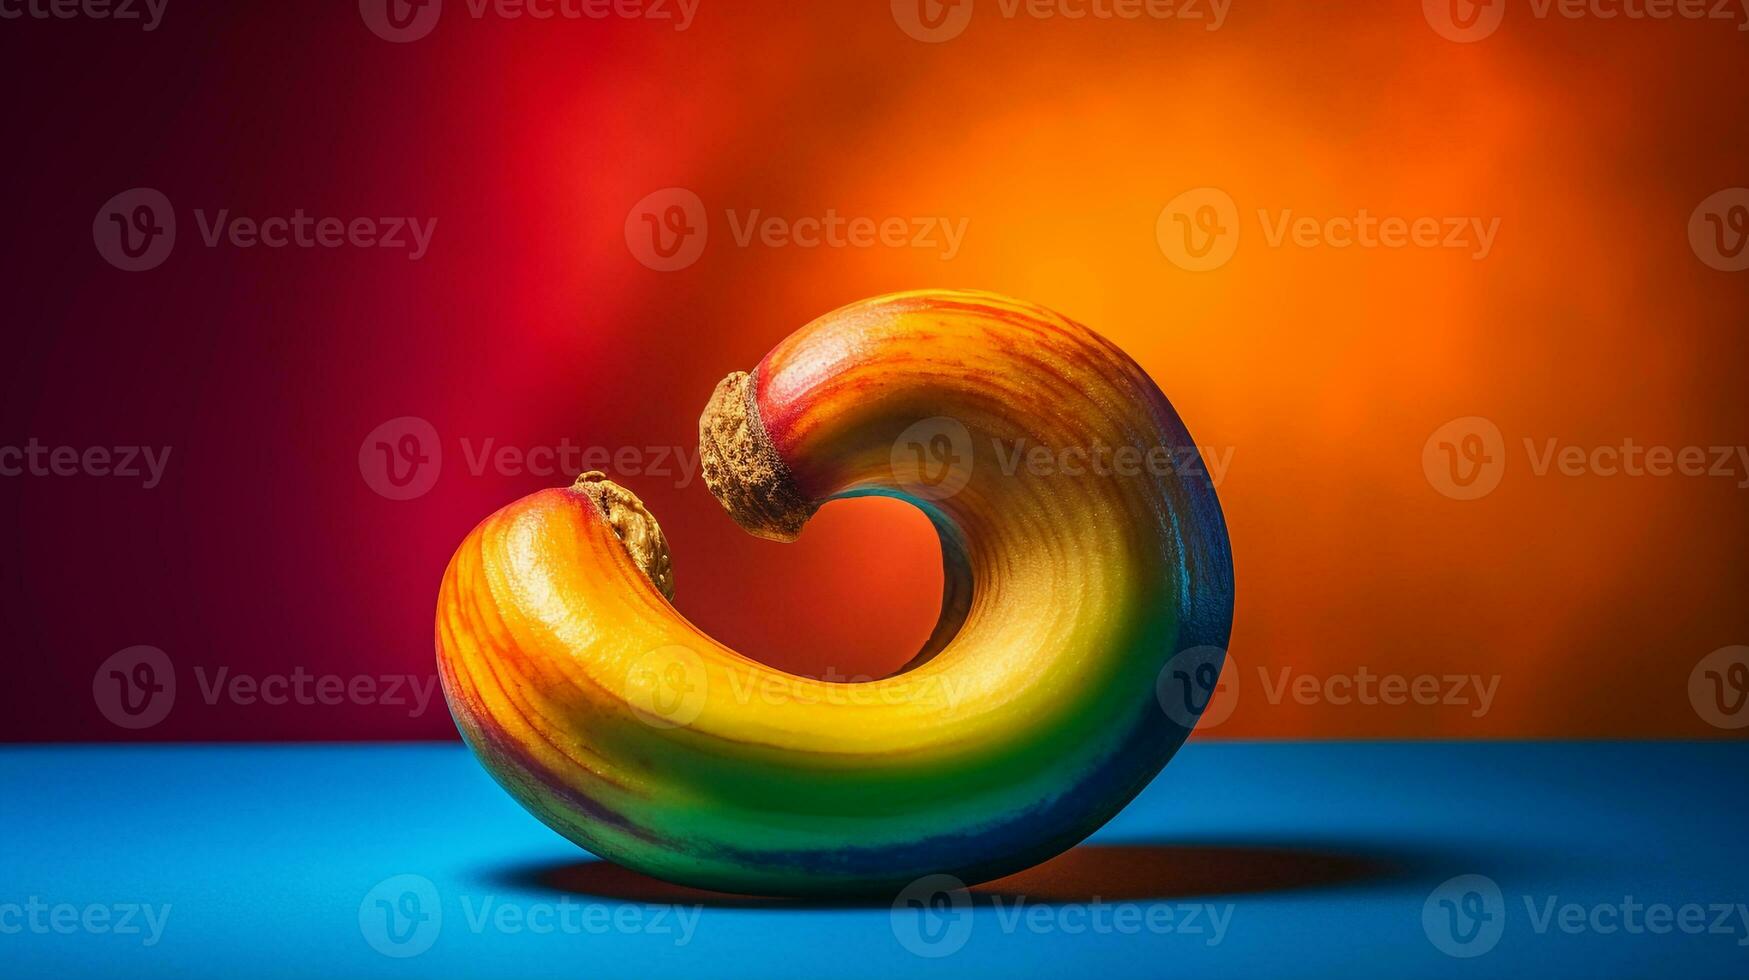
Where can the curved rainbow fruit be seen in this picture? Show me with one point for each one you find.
(1029, 719)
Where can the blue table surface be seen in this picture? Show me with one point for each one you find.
(1242, 859)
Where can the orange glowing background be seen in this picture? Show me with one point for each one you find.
(1316, 375)
(1321, 371)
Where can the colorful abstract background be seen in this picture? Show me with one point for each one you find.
(1316, 377)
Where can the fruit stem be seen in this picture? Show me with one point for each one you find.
(634, 525)
(741, 467)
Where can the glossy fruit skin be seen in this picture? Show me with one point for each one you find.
(1028, 722)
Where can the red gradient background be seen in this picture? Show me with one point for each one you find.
(1322, 370)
